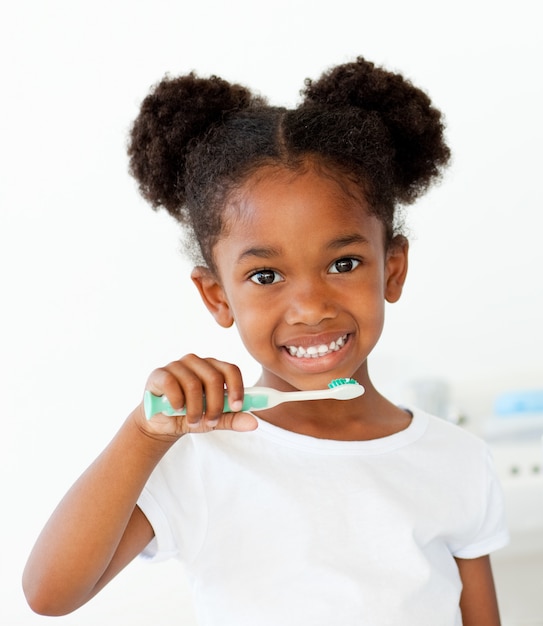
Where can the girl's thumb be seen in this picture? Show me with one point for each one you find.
(240, 422)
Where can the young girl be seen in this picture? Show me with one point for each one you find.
(356, 512)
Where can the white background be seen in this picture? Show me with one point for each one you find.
(95, 292)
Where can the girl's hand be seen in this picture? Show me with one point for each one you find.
(184, 383)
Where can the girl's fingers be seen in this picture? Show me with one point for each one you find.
(232, 388)
(167, 381)
(213, 378)
(191, 379)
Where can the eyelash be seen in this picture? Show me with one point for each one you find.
(255, 275)
(351, 262)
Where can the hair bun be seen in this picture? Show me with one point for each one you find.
(172, 117)
(414, 125)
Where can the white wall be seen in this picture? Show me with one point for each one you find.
(95, 293)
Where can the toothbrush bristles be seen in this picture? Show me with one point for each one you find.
(337, 382)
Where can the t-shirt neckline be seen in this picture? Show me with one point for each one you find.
(402, 438)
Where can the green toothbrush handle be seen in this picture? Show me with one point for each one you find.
(160, 404)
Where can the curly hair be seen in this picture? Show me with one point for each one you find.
(196, 140)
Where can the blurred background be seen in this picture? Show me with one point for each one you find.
(96, 291)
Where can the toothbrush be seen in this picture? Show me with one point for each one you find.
(263, 397)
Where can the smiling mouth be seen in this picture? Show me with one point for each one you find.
(316, 352)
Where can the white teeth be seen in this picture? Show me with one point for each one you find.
(314, 352)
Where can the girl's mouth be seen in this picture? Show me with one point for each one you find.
(317, 351)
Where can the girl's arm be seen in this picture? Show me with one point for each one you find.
(97, 528)
(478, 601)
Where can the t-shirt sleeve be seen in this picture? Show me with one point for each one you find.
(490, 533)
(173, 502)
(163, 545)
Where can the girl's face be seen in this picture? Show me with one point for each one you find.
(303, 272)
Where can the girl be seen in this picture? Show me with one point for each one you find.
(318, 512)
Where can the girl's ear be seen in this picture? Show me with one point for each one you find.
(396, 268)
(213, 295)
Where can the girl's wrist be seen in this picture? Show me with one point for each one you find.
(151, 444)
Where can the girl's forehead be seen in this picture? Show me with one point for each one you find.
(278, 191)
(288, 210)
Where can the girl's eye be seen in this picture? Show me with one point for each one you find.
(265, 277)
(343, 265)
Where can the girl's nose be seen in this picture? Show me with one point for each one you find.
(309, 304)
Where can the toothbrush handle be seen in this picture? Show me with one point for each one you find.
(160, 404)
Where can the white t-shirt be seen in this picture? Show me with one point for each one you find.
(281, 529)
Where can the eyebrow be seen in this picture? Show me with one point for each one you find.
(269, 252)
(260, 252)
(346, 240)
